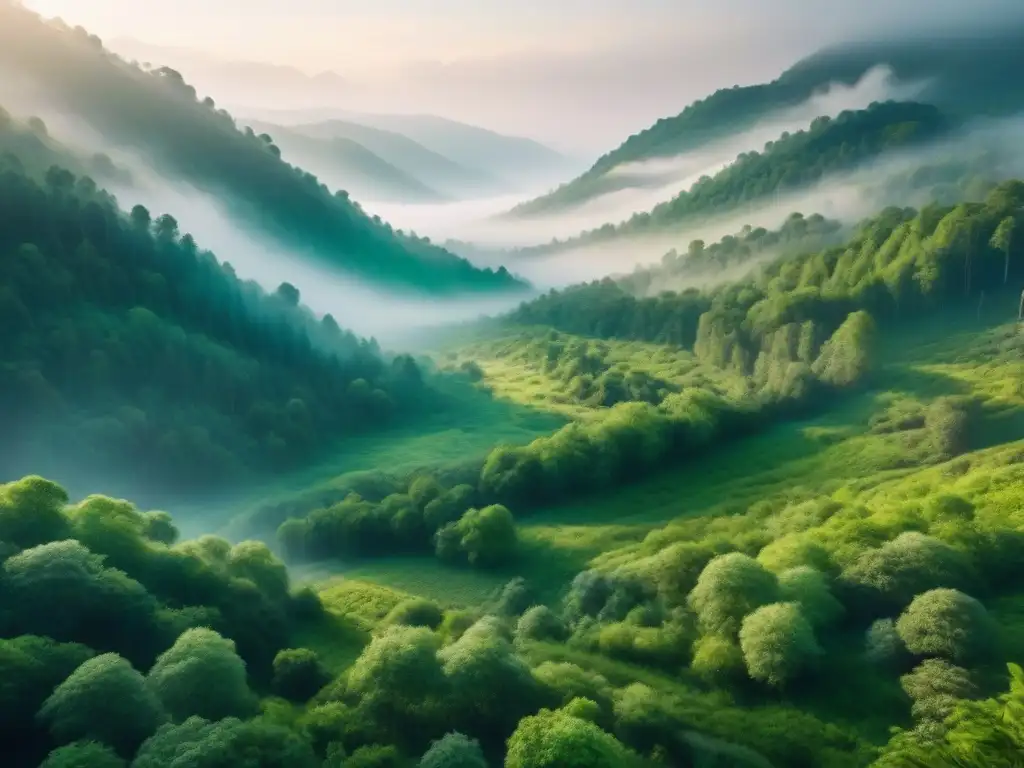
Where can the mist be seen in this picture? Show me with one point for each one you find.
(848, 198)
(482, 222)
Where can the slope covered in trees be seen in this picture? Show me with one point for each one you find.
(958, 73)
(792, 162)
(159, 114)
(127, 347)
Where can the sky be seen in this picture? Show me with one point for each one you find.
(582, 73)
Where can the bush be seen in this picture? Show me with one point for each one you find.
(778, 644)
(947, 623)
(454, 751)
(416, 612)
(729, 588)
(540, 623)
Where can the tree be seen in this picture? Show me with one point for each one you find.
(398, 673)
(516, 597)
(1002, 240)
(491, 687)
(298, 674)
(807, 588)
(891, 575)
(935, 686)
(730, 587)
(31, 512)
(104, 700)
(83, 754)
(486, 537)
(883, 645)
(718, 659)
(947, 623)
(555, 739)
(61, 590)
(454, 750)
(540, 623)
(416, 612)
(197, 743)
(202, 675)
(778, 644)
(846, 356)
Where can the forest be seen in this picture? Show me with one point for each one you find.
(754, 505)
(960, 75)
(793, 162)
(191, 139)
(122, 333)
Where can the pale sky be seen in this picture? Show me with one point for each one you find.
(581, 72)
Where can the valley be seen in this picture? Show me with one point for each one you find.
(711, 456)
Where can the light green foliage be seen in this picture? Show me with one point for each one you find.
(31, 512)
(399, 669)
(809, 589)
(778, 644)
(559, 740)
(416, 612)
(486, 537)
(84, 754)
(846, 356)
(567, 681)
(906, 566)
(104, 700)
(298, 674)
(794, 550)
(540, 623)
(730, 587)
(643, 718)
(515, 597)
(584, 709)
(949, 624)
(198, 743)
(718, 659)
(935, 686)
(453, 750)
(201, 675)
(375, 756)
(491, 686)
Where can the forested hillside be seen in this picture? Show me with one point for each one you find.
(795, 161)
(960, 73)
(160, 115)
(126, 347)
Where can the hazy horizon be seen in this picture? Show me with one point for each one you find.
(538, 70)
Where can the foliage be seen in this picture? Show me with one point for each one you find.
(453, 750)
(298, 674)
(948, 624)
(729, 588)
(778, 643)
(104, 700)
(151, 110)
(83, 754)
(554, 738)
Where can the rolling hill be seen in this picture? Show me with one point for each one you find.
(449, 177)
(345, 164)
(159, 115)
(957, 73)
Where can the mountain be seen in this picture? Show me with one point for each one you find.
(448, 176)
(343, 163)
(509, 161)
(157, 114)
(959, 73)
(791, 163)
(129, 352)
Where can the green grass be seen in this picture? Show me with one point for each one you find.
(469, 424)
